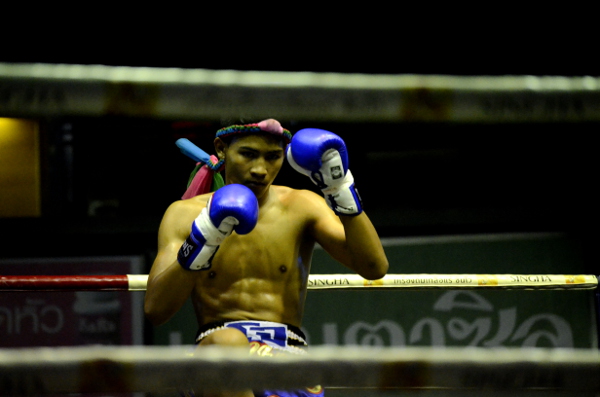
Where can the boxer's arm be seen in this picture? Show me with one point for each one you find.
(322, 156)
(367, 256)
(170, 285)
(351, 240)
(187, 242)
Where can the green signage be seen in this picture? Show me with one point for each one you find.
(446, 317)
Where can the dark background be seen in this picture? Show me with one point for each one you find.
(415, 178)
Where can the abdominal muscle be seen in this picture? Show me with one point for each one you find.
(248, 288)
(261, 275)
(249, 299)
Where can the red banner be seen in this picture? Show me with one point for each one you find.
(71, 318)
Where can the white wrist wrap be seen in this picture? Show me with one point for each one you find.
(342, 197)
(201, 245)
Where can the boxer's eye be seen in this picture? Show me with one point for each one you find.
(274, 156)
(248, 154)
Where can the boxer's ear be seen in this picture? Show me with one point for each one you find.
(220, 148)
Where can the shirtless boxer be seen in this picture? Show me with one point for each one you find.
(243, 253)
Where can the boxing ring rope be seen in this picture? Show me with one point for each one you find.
(120, 369)
(39, 90)
(93, 369)
(137, 282)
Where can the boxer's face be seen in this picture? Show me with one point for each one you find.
(252, 160)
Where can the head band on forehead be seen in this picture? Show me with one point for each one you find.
(205, 177)
(271, 126)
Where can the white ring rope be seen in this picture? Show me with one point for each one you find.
(132, 369)
(138, 282)
(96, 90)
(451, 281)
(88, 369)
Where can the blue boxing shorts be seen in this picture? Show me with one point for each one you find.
(268, 339)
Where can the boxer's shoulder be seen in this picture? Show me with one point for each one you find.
(292, 197)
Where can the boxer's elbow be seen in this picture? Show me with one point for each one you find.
(155, 313)
(374, 270)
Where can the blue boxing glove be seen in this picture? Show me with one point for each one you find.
(322, 156)
(232, 207)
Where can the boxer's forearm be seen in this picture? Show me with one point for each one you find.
(169, 286)
(367, 256)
